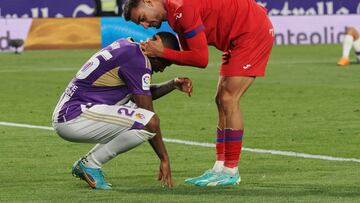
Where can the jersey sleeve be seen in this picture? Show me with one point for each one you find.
(189, 26)
(137, 75)
(195, 53)
(188, 21)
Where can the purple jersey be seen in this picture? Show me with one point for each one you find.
(108, 77)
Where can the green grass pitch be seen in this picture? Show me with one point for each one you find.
(304, 104)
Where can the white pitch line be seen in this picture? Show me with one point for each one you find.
(39, 70)
(210, 145)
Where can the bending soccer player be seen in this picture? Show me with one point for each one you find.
(243, 32)
(351, 40)
(109, 102)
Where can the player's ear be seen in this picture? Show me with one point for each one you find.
(156, 37)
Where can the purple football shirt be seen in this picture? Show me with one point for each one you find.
(108, 77)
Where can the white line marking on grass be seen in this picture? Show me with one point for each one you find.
(39, 70)
(267, 151)
(298, 61)
(25, 126)
(210, 145)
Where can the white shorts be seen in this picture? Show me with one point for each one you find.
(101, 123)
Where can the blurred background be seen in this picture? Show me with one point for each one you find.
(96, 23)
(302, 120)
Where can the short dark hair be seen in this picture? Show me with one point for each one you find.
(128, 6)
(169, 40)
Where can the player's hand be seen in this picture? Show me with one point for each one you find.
(184, 85)
(152, 48)
(226, 57)
(165, 174)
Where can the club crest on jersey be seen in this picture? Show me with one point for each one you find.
(146, 81)
(139, 116)
(178, 16)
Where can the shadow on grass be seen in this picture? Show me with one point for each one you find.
(266, 190)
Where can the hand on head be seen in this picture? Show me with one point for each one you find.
(153, 48)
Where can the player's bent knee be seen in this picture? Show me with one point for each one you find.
(350, 30)
(153, 125)
(353, 32)
(226, 99)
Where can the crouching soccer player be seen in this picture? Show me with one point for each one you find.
(109, 102)
(351, 40)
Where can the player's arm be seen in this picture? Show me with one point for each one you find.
(197, 54)
(196, 51)
(137, 78)
(182, 84)
(145, 102)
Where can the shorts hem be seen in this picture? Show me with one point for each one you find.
(241, 74)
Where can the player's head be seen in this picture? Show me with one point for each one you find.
(148, 13)
(169, 41)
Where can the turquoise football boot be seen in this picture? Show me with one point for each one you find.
(207, 174)
(93, 176)
(220, 179)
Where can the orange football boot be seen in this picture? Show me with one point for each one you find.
(343, 62)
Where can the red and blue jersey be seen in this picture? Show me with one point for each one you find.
(221, 20)
(219, 23)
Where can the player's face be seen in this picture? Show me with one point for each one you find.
(148, 14)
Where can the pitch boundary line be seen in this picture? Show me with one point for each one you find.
(39, 70)
(210, 145)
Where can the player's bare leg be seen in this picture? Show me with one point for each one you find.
(220, 134)
(230, 90)
(351, 39)
(220, 147)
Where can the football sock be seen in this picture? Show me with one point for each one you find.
(233, 144)
(218, 166)
(230, 171)
(103, 153)
(347, 45)
(220, 153)
(356, 46)
(92, 163)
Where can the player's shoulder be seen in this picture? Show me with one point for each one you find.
(128, 43)
(125, 47)
(131, 52)
(176, 6)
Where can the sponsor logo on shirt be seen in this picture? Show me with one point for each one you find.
(146, 81)
(247, 66)
(178, 16)
(71, 89)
